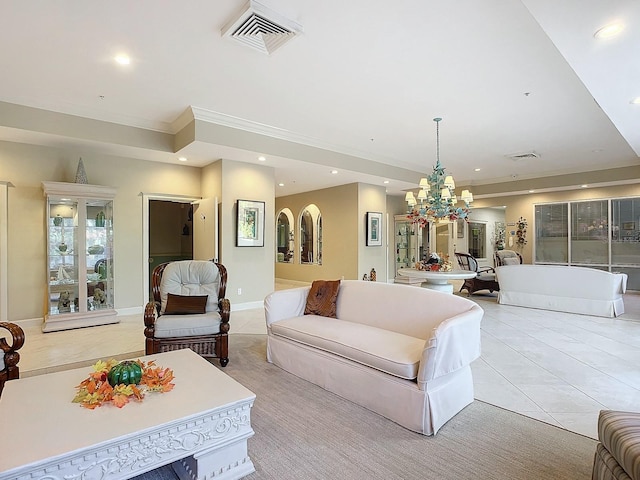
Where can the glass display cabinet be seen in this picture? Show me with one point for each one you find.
(79, 227)
(411, 243)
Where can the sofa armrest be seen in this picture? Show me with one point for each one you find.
(285, 304)
(455, 343)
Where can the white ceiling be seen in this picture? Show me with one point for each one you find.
(364, 78)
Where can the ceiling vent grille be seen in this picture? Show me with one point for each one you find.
(260, 28)
(523, 156)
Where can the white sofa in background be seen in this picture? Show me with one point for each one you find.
(562, 288)
(402, 352)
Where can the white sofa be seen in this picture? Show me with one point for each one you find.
(562, 288)
(402, 352)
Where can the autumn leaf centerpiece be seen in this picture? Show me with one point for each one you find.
(119, 383)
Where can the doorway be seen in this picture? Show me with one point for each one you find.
(170, 233)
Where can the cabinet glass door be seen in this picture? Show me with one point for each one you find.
(63, 256)
(411, 242)
(99, 254)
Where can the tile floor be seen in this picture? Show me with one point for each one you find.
(555, 367)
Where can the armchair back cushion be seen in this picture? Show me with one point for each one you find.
(191, 277)
(507, 257)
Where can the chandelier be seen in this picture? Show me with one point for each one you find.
(437, 199)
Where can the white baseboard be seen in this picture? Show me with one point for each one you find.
(247, 306)
(29, 322)
(130, 311)
(293, 282)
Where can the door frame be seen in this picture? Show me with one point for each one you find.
(4, 245)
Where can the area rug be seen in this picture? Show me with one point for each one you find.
(305, 432)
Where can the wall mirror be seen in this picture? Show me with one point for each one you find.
(284, 237)
(310, 235)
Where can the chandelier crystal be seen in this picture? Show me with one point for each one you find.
(436, 198)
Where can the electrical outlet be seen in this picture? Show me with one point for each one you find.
(239, 291)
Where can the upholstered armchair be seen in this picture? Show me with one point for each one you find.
(188, 309)
(10, 357)
(507, 257)
(485, 278)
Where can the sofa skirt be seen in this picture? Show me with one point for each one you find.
(399, 400)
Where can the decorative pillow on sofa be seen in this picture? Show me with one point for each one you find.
(185, 304)
(322, 297)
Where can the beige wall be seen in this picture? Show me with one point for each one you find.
(250, 268)
(372, 198)
(523, 205)
(341, 226)
(26, 166)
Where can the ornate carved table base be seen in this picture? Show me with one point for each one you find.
(201, 427)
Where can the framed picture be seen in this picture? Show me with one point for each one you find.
(250, 224)
(374, 229)
(629, 226)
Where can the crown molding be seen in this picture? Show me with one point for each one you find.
(230, 121)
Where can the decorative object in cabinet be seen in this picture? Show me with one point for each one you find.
(80, 253)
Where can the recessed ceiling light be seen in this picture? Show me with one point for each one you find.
(584, 186)
(476, 169)
(122, 59)
(281, 184)
(385, 182)
(609, 31)
(262, 159)
(182, 159)
(334, 172)
(635, 101)
(531, 191)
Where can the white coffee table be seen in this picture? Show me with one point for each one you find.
(201, 427)
(437, 280)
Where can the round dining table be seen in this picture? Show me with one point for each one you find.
(437, 280)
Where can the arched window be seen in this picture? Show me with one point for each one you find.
(284, 237)
(310, 235)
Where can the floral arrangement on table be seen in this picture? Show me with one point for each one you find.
(119, 382)
(521, 233)
(435, 263)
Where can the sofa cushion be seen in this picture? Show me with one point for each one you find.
(619, 432)
(390, 352)
(322, 297)
(187, 325)
(185, 304)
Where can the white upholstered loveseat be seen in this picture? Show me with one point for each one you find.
(562, 288)
(401, 351)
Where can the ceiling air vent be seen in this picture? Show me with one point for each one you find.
(523, 155)
(260, 28)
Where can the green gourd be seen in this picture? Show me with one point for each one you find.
(127, 373)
